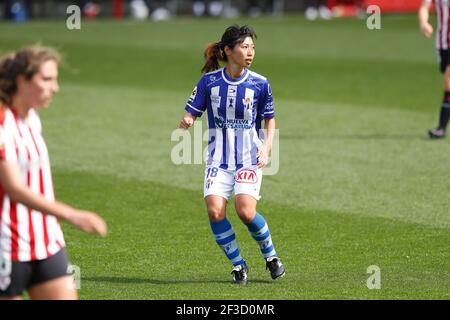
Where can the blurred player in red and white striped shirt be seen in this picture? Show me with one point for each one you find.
(32, 254)
(443, 46)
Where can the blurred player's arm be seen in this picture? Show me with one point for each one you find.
(424, 14)
(11, 181)
(269, 134)
(187, 121)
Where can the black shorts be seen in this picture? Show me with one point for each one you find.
(24, 275)
(444, 60)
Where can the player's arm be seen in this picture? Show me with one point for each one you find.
(424, 14)
(187, 121)
(269, 128)
(11, 181)
(195, 106)
(269, 134)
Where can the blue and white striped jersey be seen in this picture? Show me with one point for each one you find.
(235, 109)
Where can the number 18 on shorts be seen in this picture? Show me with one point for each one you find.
(221, 182)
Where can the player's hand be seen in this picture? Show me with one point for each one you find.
(426, 29)
(187, 121)
(88, 222)
(263, 156)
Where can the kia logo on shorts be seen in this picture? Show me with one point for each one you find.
(246, 176)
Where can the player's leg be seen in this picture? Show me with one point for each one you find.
(216, 207)
(11, 298)
(441, 130)
(248, 183)
(62, 288)
(52, 279)
(258, 228)
(222, 229)
(218, 187)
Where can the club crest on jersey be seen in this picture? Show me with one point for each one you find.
(246, 176)
(247, 102)
(209, 183)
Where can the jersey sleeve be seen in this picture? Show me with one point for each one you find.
(196, 104)
(7, 145)
(265, 103)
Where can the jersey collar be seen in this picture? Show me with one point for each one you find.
(237, 80)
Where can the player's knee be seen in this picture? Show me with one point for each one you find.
(246, 213)
(447, 83)
(216, 213)
(447, 79)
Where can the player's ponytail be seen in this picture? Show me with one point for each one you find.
(213, 54)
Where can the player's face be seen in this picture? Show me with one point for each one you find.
(39, 90)
(243, 53)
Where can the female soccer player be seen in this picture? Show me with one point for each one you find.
(32, 254)
(236, 100)
(442, 45)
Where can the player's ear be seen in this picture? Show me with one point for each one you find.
(20, 80)
(228, 51)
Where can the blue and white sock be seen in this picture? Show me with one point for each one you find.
(260, 232)
(226, 239)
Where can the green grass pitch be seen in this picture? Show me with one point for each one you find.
(359, 182)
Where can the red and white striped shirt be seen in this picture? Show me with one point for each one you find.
(26, 234)
(443, 24)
